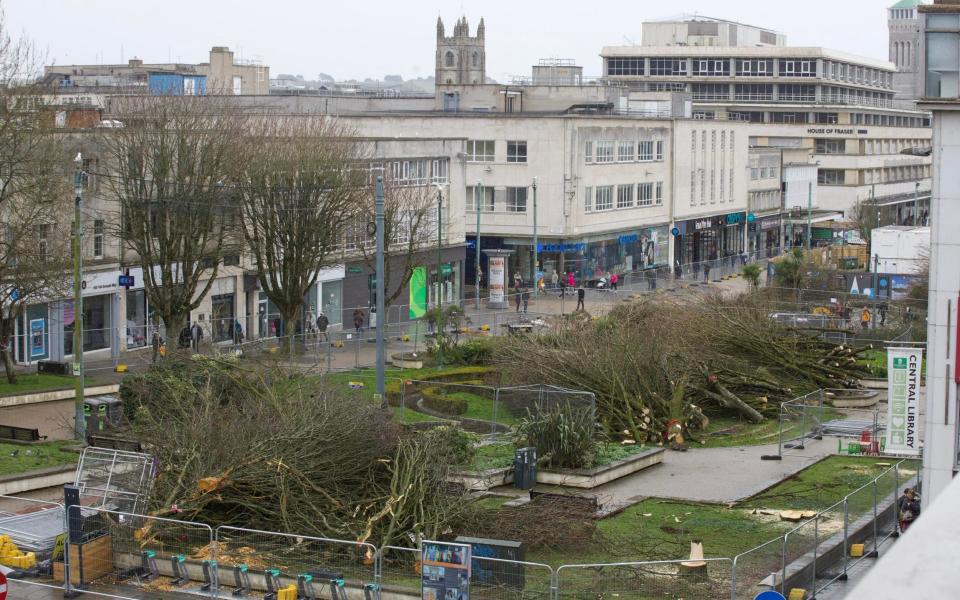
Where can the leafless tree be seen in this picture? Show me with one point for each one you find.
(34, 193)
(168, 167)
(410, 227)
(864, 217)
(297, 187)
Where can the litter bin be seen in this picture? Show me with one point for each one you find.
(109, 412)
(92, 416)
(524, 468)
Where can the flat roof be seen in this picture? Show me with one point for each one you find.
(747, 52)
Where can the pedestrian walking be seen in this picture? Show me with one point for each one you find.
(322, 323)
(581, 294)
(237, 332)
(525, 294)
(196, 336)
(908, 508)
(677, 269)
(155, 344)
(696, 271)
(883, 315)
(517, 299)
(571, 283)
(358, 318)
(865, 318)
(554, 279)
(614, 280)
(517, 281)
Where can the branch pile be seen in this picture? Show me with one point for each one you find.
(241, 447)
(650, 364)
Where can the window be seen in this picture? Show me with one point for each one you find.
(476, 59)
(831, 177)
(625, 152)
(43, 233)
(753, 91)
(796, 67)
(604, 152)
(711, 91)
(604, 199)
(709, 67)
(748, 116)
(480, 150)
(668, 66)
(646, 151)
(659, 151)
(516, 152)
(237, 85)
(438, 170)
(588, 199)
(828, 118)
(231, 260)
(704, 115)
(788, 117)
(625, 196)
(798, 93)
(189, 86)
(588, 152)
(486, 199)
(98, 238)
(448, 61)
(943, 57)
(754, 174)
(754, 67)
(645, 194)
(517, 199)
(625, 66)
(409, 172)
(831, 146)
(658, 197)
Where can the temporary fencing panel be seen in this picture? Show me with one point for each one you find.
(688, 580)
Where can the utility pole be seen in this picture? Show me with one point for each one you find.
(809, 216)
(478, 197)
(916, 204)
(439, 305)
(536, 261)
(381, 360)
(79, 424)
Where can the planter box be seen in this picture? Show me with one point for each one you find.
(406, 362)
(591, 478)
(577, 478)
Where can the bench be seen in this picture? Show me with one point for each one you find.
(114, 443)
(20, 434)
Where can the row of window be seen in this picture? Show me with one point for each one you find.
(607, 151)
(411, 172)
(624, 196)
(855, 97)
(510, 199)
(764, 200)
(896, 174)
(757, 173)
(892, 146)
(711, 160)
(45, 229)
(839, 71)
(711, 67)
(890, 120)
(485, 151)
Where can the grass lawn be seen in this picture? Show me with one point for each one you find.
(39, 382)
(482, 409)
(20, 458)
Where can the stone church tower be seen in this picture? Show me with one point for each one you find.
(461, 59)
(906, 51)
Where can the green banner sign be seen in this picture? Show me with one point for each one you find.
(903, 402)
(418, 293)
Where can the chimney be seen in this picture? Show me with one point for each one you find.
(135, 62)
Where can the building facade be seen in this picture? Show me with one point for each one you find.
(838, 105)
(461, 58)
(906, 51)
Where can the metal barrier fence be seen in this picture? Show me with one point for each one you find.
(129, 556)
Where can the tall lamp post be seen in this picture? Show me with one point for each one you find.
(536, 247)
(439, 298)
(79, 425)
(478, 200)
(381, 358)
(809, 216)
(916, 204)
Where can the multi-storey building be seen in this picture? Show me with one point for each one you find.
(221, 75)
(840, 107)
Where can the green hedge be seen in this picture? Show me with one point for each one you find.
(437, 400)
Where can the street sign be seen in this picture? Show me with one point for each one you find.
(126, 281)
(769, 595)
(675, 231)
(3, 587)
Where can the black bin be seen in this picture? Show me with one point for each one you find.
(525, 468)
(52, 367)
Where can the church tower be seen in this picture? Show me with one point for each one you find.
(461, 59)
(906, 48)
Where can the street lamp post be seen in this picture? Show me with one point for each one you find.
(381, 358)
(809, 215)
(478, 199)
(916, 204)
(79, 424)
(439, 298)
(536, 261)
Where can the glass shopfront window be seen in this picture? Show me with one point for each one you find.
(331, 300)
(222, 317)
(138, 334)
(96, 324)
(448, 286)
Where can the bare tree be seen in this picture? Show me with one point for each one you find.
(410, 227)
(297, 187)
(34, 194)
(863, 215)
(172, 158)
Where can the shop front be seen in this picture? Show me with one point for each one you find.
(709, 238)
(325, 295)
(764, 236)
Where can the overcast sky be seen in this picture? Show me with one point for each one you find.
(371, 38)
